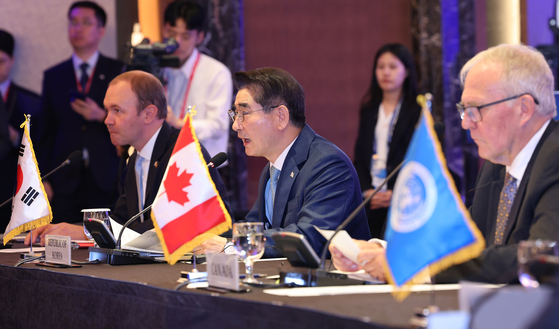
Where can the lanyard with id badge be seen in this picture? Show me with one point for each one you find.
(378, 166)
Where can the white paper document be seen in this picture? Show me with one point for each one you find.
(343, 242)
(147, 242)
(128, 234)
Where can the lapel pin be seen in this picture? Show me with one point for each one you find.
(291, 175)
(101, 76)
(156, 163)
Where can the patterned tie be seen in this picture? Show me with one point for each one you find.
(505, 202)
(84, 78)
(140, 174)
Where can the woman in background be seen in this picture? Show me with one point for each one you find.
(388, 115)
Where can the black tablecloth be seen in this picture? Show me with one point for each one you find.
(142, 296)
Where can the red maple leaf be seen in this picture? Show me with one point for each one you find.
(175, 185)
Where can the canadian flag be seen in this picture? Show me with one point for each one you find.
(30, 206)
(187, 209)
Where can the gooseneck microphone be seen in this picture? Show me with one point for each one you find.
(216, 161)
(353, 214)
(74, 158)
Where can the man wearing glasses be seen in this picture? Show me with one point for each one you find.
(508, 106)
(308, 181)
(72, 104)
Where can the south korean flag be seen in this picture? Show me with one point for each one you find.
(30, 206)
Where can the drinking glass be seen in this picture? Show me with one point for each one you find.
(248, 239)
(99, 213)
(529, 253)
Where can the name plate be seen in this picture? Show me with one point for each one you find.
(58, 250)
(223, 271)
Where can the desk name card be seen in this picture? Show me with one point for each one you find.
(58, 250)
(223, 271)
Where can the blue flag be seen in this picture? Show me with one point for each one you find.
(429, 226)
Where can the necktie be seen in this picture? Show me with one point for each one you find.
(140, 181)
(505, 202)
(85, 77)
(270, 197)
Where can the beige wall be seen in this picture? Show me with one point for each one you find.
(40, 30)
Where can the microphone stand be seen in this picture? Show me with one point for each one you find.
(321, 269)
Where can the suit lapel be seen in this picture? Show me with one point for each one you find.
(521, 192)
(158, 152)
(262, 197)
(290, 170)
(131, 186)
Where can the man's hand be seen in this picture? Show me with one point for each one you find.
(89, 109)
(73, 231)
(381, 199)
(173, 120)
(214, 244)
(371, 259)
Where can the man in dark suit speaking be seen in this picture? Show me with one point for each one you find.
(308, 181)
(508, 105)
(136, 111)
(73, 93)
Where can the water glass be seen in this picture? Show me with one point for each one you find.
(100, 214)
(529, 253)
(248, 239)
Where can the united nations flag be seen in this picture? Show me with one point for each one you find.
(429, 226)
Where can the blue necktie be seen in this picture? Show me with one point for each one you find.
(84, 78)
(270, 197)
(140, 174)
(505, 202)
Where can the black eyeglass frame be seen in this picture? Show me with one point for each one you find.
(233, 113)
(463, 109)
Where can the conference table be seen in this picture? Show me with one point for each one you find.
(143, 296)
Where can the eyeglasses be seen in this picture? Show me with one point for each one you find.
(240, 115)
(474, 112)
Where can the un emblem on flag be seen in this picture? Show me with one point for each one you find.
(414, 199)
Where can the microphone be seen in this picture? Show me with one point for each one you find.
(74, 158)
(217, 160)
(353, 214)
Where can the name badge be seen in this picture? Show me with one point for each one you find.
(223, 271)
(58, 250)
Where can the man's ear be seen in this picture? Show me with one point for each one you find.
(150, 113)
(527, 108)
(200, 37)
(282, 115)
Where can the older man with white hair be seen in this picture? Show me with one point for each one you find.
(508, 106)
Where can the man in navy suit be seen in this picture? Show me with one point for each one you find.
(308, 181)
(15, 102)
(73, 93)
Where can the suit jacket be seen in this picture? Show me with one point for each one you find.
(127, 204)
(20, 101)
(317, 186)
(67, 131)
(534, 213)
(401, 137)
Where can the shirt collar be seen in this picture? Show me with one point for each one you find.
(520, 162)
(91, 61)
(4, 86)
(281, 159)
(147, 151)
(188, 66)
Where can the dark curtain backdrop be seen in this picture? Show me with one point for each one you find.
(444, 39)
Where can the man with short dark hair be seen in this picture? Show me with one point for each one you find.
(200, 81)
(308, 181)
(136, 111)
(73, 93)
(15, 102)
